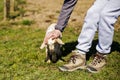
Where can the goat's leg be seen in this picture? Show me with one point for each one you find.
(47, 59)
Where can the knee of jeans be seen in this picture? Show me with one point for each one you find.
(92, 15)
(108, 18)
(106, 15)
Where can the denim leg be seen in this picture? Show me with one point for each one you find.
(65, 13)
(108, 17)
(90, 25)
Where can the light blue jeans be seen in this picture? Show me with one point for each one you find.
(100, 17)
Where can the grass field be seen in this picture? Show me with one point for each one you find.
(21, 58)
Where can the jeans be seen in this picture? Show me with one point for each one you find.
(100, 17)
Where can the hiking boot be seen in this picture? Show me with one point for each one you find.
(77, 61)
(97, 64)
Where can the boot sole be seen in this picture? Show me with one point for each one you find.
(89, 70)
(70, 70)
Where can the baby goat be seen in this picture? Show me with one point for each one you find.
(53, 47)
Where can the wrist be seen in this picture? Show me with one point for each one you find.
(59, 32)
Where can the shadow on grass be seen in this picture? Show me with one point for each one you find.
(68, 47)
(115, 47)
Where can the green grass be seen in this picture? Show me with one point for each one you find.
(27, 22)
(21, 58)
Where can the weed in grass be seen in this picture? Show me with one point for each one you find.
(27, 22)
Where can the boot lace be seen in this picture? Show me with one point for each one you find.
(98, 59)
(73, 59)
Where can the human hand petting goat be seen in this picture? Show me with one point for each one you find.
(51, 34)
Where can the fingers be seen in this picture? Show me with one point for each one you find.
(48, 36)
(53, 35)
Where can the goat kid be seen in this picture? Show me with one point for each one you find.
(53, 47)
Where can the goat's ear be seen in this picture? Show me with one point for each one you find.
(60, 41)
(42, 46)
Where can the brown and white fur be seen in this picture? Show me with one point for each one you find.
(53, 47)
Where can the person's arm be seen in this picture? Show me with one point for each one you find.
(65, 13)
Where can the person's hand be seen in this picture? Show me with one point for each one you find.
(53, 35)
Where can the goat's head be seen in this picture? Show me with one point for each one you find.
(51, 43)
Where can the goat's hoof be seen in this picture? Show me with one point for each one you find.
(48, 61)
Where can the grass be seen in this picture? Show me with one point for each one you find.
(21, 58)
(27, 22)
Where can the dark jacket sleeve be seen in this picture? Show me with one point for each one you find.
(65, 13)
